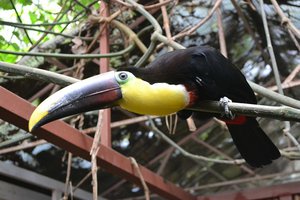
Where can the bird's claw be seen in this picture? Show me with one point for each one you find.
(224, 104)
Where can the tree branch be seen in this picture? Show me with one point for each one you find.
(38, 74)
(282, 113)
(252, 110)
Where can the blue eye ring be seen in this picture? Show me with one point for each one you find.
(123, 76)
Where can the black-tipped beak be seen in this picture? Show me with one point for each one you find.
(98, 92)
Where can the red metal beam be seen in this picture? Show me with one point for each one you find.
(282, 191)
(104, 67)
(16, 110)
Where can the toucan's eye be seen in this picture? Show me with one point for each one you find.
(123, 76)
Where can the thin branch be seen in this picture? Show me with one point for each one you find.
(189, 155)
(287, 85)
(94, 176)
(285, 21)
(276, 72)
(166, 22)
(157, 29)
(20, 20)
(2, 22)
(222, 40)
(46, 31)
(160, 4)
(49, 28)
(15, 139)
(94, 150)
(243, 180)
(116, 124)
(292, 75)
(66, 191)
(22, 146)
(132, 36)
(38, 74)
(189, 31)
(136, 167)
(70, 56)
(285, 100)
(290, 155)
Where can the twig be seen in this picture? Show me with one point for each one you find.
(69, 56)
(239, 181)
(248, 28)
(123, 3)
(136, 167)
(22, 146)
(2, 22)
(285, 21)
(94, 176)
(82, 181)
(119, 123)
(66, 192)
(292, 74)
(191, 124)
(160, 4)
(166, 22)
(290, 155)
(286, 85)
(96, 141)
(294, 39)
(285, 100)
(49, 28)
(46, 31)
(189, 31)
(38, 74)
(189, 155)
(276, 72)
(94, 150)
(156, 26)
(20, 20)
(221, 33)
(132, 36)
(270, 48)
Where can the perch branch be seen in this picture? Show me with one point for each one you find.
(252, 110)
(283, 113)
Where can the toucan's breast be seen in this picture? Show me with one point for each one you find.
(153, 99)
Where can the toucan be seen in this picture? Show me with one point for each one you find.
(173, 83)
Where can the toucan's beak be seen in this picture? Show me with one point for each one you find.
(97, 92)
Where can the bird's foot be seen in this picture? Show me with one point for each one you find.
(224, 104)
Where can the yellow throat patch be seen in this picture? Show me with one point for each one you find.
(157, 99)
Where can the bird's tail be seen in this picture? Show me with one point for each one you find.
(253, 143)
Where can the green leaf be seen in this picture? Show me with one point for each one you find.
(6, 5)
(33, 17)
(15, 46)
(16, 33)
(25, 2)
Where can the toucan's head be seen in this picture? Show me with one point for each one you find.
(112, 89)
